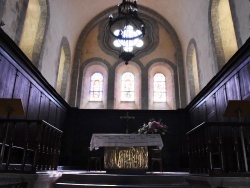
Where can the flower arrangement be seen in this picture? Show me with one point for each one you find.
(153, 127)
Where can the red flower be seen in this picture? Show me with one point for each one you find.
(157, 125)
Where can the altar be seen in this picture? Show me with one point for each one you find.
(125, 151)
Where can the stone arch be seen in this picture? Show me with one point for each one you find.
(64, 60)
(153, 15)
(85, 70)
(34, 49)
(193, 69)
(223, 32)
(168, 69)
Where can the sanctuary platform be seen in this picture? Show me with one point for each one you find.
(93, 179)
(103, 179)
(70, 178)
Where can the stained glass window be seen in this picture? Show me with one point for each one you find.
(96, 87)
(128, 87)
(159, 88)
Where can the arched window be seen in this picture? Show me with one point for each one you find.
(33, 32)
(223, 31)
(96, 87)
(127, 90)
(63, 69)
(128, 87)
(159, 88)
(193, 69)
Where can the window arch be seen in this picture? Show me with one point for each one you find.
(159, 87)
(193, 70)
(33, 31)
(223, 31)
(63, 69)
(94, 95)
(161, 74)
(127, 87)
(96, 87)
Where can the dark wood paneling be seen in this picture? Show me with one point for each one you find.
(44, 108)
(83, 123)
(244, 75)
(202, 112)
(232, 88)
(7, 78)
(211, 108)
(221, 103)
(21, 91)
(195, 116)
(52, 113)
(60, 117)
(231, 83)
(19, 78)
(34, 103)
(233, 91)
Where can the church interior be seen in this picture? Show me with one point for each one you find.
(76, 72)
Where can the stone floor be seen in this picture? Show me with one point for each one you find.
(83, 178)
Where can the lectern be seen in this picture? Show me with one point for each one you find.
(9, 107)
(239, 108)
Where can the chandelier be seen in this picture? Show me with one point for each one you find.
(127, 29)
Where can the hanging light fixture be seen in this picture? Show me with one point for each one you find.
(127, 29)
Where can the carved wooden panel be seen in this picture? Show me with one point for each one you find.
(21, 90)
(7, 78)
(34, 103)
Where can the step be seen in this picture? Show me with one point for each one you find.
(171, 180)
(68, 185)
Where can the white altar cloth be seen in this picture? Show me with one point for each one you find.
(125, 140)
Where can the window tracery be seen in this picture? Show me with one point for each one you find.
(159, 88)
(128, 87)
(96, 87)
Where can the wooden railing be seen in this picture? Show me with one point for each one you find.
(28, 146)
(217, 148)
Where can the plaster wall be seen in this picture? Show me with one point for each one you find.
(91, 48)
(190, 20)
(165, 49)
(10, 16)
(243, 17)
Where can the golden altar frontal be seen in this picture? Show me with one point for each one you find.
(125, 151)
(126, 157)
